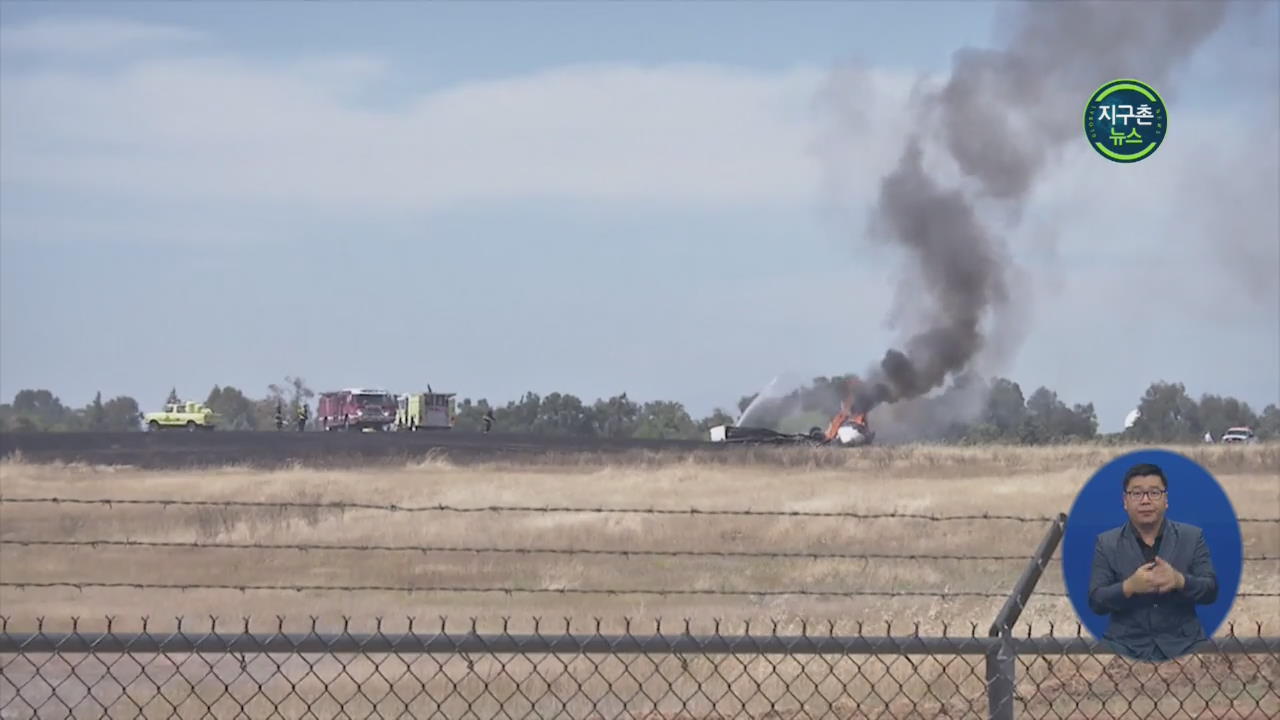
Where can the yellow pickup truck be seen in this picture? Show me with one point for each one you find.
(189, 415)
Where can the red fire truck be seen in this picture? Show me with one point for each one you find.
(356, 409)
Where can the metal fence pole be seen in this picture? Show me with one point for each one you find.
(1001, 666)
(1002, 660)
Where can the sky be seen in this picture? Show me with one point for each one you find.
(665, 199)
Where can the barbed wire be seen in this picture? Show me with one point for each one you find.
(445, 508)
(243, 587)
(507, 590)
(423, 549)
(306, 547)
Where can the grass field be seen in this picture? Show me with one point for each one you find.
(935, 481)
(942, 481)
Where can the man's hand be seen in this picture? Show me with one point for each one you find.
(1166, 577)
(1142, 581)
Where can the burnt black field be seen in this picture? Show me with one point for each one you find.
(271, 449)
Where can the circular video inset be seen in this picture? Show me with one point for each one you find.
(1152, 555)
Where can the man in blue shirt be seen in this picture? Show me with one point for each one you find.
(1150, 573)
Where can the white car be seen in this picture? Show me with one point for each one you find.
(1239, 435)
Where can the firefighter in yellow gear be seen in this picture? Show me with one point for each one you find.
(302, 416)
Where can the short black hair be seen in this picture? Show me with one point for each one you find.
(1142, 469)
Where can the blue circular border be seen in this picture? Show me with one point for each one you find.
(1195, 497)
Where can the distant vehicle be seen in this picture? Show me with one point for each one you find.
(1239, 435)
(356, 409)
(424, 411)
(181, 415)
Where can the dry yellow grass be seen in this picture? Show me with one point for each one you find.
(999, 480)
(1015, 481)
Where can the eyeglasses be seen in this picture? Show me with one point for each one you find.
(1139, 494)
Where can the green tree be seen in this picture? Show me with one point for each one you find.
(717, 417)
(121, 414)
(234, 410)
(664, 420)
(97, 413)
(1005, 410)
(1049, 420)
(1217, 413)
(468, 417)
(1269, 423)
(522, 416)
(616, 417)
(40, 404)
(43, 411)
(563, 415)
(1167, 414)
(1083, 422)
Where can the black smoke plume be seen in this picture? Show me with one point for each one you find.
(1001, 117)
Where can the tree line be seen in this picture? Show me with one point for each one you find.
(1167, 413)
(42, 411)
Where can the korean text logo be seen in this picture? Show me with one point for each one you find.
(1125, 120)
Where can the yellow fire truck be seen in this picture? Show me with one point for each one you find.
(424, 411)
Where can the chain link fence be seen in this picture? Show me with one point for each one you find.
(215, 672)
(218, 671)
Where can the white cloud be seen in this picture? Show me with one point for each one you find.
(683, 134)
(90, 36)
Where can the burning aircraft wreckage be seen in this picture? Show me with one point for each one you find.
(958, 293)
(847, 428)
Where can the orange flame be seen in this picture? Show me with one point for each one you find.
(846, 413)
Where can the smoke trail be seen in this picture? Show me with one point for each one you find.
(1002, 116)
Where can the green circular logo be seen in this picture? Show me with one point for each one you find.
(1125, 120)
